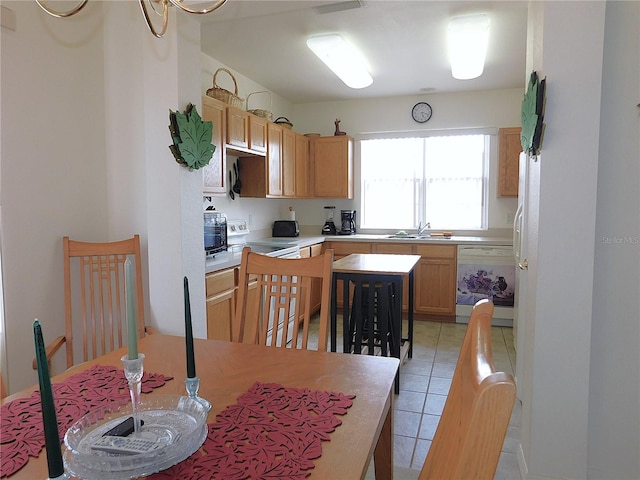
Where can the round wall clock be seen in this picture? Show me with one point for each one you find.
(421, 112)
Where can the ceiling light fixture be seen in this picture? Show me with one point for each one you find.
(468, 39)
(342, 58)
(164, 14)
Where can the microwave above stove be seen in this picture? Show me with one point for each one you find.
(215, 233)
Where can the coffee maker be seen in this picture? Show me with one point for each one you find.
(329, 228)
(348, 222)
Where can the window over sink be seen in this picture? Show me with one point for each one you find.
(436, 178)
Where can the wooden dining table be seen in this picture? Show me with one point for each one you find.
(227, 370)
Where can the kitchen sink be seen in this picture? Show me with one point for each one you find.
(420, 237)
(402, 236)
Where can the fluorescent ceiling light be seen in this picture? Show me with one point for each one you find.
(342, 58)
(468, 39)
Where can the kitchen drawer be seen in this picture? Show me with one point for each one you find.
(436, 251)
(393, 248)
(346, 248)
(221, 281)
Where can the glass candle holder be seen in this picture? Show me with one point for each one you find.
(192, 385)
(64, 476)
(133, 370)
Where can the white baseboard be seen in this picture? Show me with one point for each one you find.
(522, 463)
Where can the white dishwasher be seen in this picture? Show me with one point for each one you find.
(486, 272)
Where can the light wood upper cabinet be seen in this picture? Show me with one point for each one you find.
(288, 162)
(213, 175)
(332, 159)
(274, 161)
(246, 133)
(508, 164)
(262, 177)
(285, 171)
(302, 167)
(295, 165)
(237, 127)
(257, 134)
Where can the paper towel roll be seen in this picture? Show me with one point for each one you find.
(292, 214)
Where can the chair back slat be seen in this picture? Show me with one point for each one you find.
(275, 300)
(475, 418)
(95, 291)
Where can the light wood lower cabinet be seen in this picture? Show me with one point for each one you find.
(221, 303)
(435, 280)
(342, 249)
(316, 284)
(434, 276)
(404, 249)
(222, 297)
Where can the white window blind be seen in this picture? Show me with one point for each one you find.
(438, 180)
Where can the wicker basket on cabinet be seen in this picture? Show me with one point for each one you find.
(259, 111)
(224, 95)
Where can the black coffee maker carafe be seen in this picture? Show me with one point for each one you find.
(348, 222)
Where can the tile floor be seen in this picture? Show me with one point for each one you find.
(424, 383)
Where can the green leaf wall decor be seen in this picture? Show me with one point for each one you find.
(191, 137)
(532, 114)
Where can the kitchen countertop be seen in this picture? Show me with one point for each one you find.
(230, 259)
(455, 239)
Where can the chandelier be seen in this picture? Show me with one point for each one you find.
(164, 14)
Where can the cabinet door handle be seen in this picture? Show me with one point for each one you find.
(524, 265)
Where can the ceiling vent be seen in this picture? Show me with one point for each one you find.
(339, 6)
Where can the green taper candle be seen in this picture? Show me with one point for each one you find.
(191, 363)
(49, 420)
(132, 324)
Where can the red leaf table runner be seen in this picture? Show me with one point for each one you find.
(271, 432)
(21, 421)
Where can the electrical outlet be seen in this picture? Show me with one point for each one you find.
(510, 218)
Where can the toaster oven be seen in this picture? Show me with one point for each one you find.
(215, 232)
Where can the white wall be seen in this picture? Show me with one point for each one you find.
(53, 167)
(85, 109)
(581, 402)
(555, 414)
(491, 109)
(259, 213)
(614, 380)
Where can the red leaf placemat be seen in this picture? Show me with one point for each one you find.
(22, 434)
(271, 432)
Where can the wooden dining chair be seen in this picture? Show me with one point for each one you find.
(3, 389)
(274, 304)
(474, 422)
(94, 297)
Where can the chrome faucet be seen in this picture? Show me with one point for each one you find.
(422, 228)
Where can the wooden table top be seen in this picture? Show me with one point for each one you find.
(378, 263)
(227, 370)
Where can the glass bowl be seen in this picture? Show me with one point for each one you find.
(179, 423)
